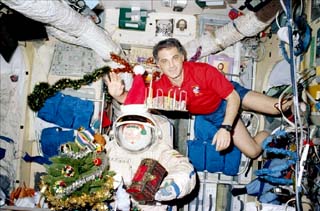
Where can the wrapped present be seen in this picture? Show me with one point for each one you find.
(147, 180)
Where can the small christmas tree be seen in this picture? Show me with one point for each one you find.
(78, 178)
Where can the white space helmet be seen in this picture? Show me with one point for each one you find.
(135, 129)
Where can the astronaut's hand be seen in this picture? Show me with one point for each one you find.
(222, 139)
(115, 84)
(169, 192)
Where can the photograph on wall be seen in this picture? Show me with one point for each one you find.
(164, 27)
(181, 25)
(223, 63)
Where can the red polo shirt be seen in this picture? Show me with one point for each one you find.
(205, 86)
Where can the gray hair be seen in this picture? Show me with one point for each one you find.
(168, 43)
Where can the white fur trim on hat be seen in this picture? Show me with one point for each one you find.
(138, 70)
(133, 109)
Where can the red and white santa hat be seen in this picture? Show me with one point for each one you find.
(134, 104)
(137, 93)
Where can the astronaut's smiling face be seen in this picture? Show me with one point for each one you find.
(171, 64)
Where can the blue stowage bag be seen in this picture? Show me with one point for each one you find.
(214, 159)
(52, 138)
(197, 153)
(67, 111)
(203, 154)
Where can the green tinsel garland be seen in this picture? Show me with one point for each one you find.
(43, 91)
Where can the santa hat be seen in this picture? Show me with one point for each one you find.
(137, 93)
(134, 104)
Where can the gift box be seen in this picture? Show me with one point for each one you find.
(147, 180)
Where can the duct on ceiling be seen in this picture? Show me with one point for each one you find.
(247, 25)
(67, 25)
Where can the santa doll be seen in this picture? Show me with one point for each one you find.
(139, 137)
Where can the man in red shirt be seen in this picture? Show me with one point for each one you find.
(209, 95)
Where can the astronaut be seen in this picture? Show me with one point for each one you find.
(138, 135)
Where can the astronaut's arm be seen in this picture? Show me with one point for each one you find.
(180, 171)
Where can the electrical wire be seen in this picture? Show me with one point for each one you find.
(288, 9)
(293, 199)
(277, 20)
(284, 7)
(280, 102)
(316, 152)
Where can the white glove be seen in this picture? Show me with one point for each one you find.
(169, 192)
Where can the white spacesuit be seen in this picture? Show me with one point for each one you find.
(138, 136)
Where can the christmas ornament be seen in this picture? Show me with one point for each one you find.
(59, 186)
(65, 148)
(97, 162)
(68, 171)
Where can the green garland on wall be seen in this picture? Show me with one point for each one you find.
(43, 91)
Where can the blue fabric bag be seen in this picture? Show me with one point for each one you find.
(67, 111)
(214, 159)
(197, 153)
(262, 187)
(230, 158)
(203, 154)
(52, 138)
